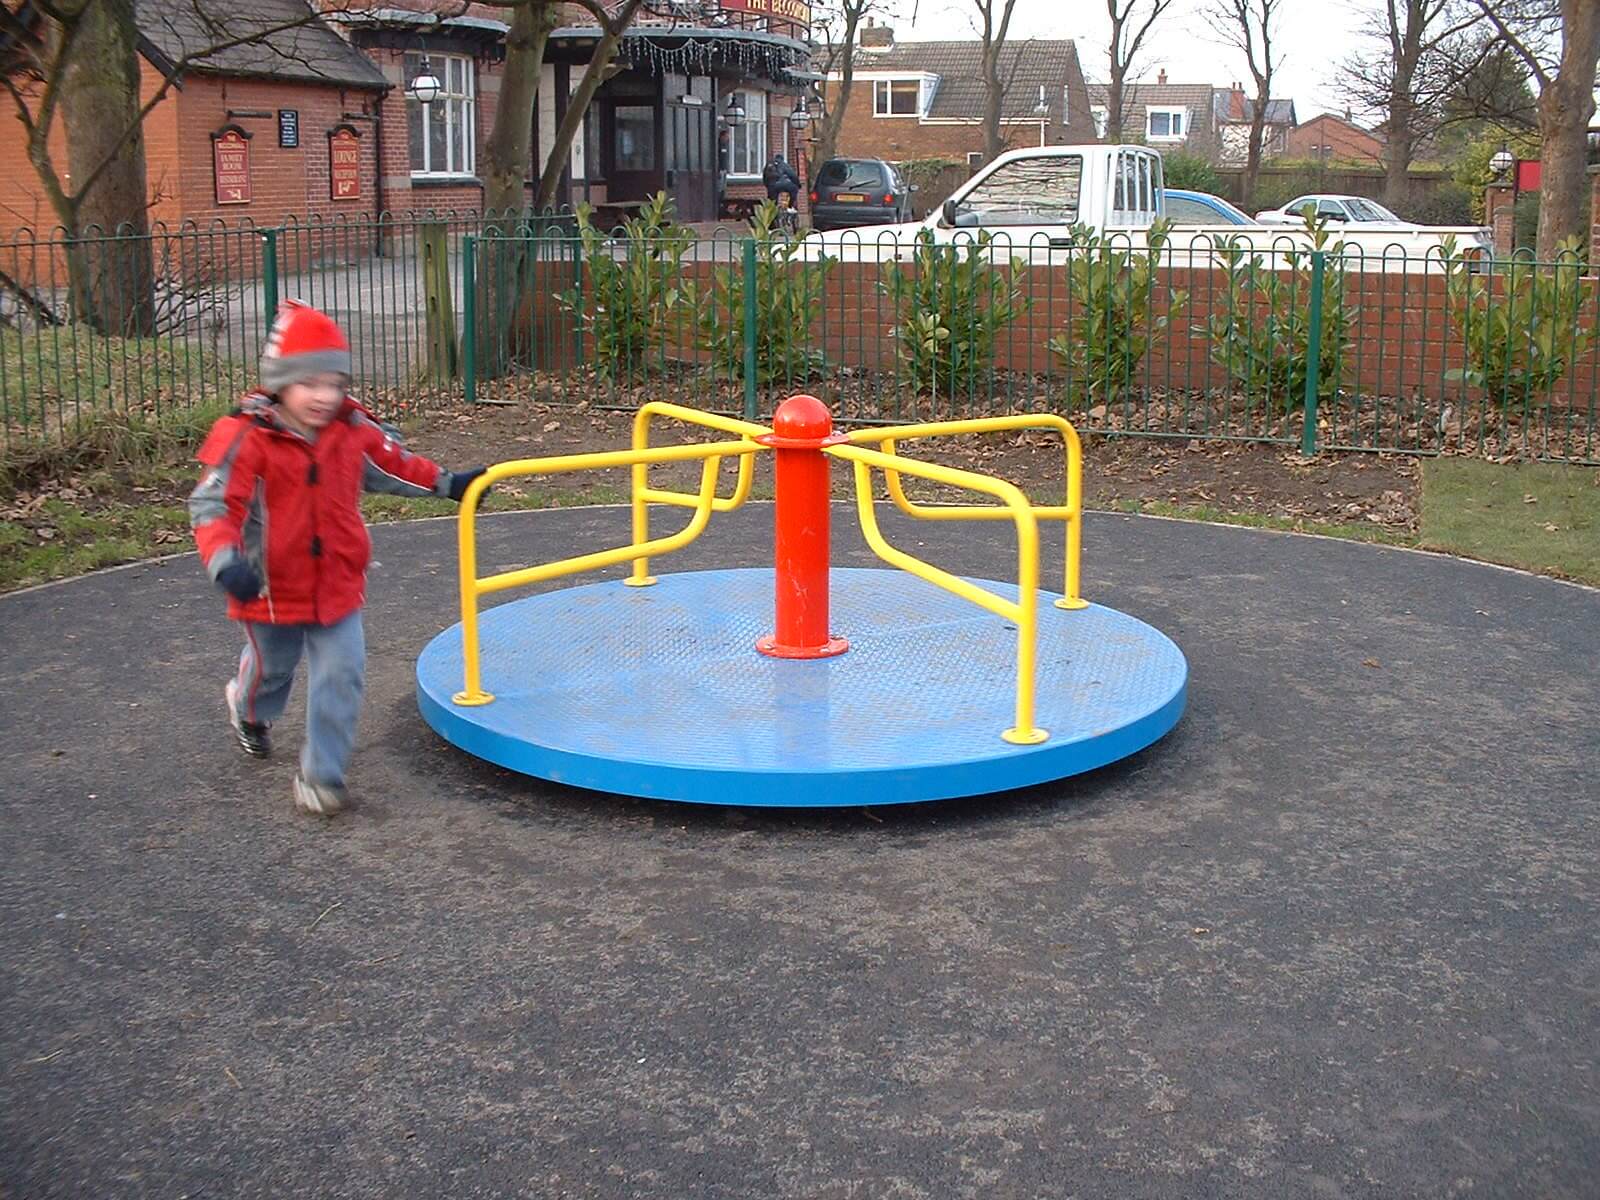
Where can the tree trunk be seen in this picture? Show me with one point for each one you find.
(509, 149)
(1114, 105)
(1564, 114)
(110, 272)
(1397, 171)
(1566, 106)
(993, 143)
(828, 140)
(597, 72)
(1252, 163)
(505, 274)
(1397, 148)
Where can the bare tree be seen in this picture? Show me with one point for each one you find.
(1559, 42)
(839, 24)
(509, 147)
(77, 61)
(994, 24)
(1413, 64)
(1131, 23)
(508, 151)
(1249, 26)
(602, 66)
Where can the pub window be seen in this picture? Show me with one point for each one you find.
(444, 134)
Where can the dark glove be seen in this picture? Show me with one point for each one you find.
(240, 581)
(460, 479)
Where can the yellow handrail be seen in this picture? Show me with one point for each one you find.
(644, 495)
(1025, 612)
(710, 454)
(1071, 513)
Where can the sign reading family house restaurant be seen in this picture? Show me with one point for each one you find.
(798, 11)
(344, 164)
(230, 163)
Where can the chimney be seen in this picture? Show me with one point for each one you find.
(1161, 77)
(877, 37)
(1236, 103)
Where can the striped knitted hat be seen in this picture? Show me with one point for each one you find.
(303, 343)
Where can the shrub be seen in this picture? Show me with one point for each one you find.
(1525, 222)
(1263, 338)
(1521, 327)
(1113, 321)
(1185, 170)
(788, 296)
(1450, 204)
(951, 304)
(631, 298)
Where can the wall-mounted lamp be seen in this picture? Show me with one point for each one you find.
(424, 87)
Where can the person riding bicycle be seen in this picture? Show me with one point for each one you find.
(780, 179)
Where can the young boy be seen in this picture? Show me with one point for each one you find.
(279, 527)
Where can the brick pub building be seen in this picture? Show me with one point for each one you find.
(320, 121)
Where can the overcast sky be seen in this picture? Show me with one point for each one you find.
(1316, 35)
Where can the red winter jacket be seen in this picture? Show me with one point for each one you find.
(291, 507)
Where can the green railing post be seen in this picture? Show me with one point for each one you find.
(269, 271)
(750, 411)
(1308, 432)
(469, 334)
(576, 242)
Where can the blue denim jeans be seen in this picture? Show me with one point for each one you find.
(336, 658)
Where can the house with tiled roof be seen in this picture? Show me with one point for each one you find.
(1195, 117)
(925, 99)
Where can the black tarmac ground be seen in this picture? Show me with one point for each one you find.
(1336, 936)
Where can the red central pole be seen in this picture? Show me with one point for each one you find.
(801, 427)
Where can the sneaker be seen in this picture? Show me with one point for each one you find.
(253, 737)
(318, 799)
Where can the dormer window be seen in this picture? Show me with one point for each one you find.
(897, 97)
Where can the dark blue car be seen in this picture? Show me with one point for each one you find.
(1199, 208)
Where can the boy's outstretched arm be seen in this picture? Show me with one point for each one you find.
(393, 469)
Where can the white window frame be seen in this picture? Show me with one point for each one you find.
(882, 89)
(1150, 113)
(467, 135)
(754, 128)
(1101, 115)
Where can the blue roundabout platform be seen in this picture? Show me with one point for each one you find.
(659, 692)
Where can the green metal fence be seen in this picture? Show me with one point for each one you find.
(1310, 349)
(139, 326)
(1325, 349)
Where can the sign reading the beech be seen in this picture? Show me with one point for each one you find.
(230, 161)
(798, 11)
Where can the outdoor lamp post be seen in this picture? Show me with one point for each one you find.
(424, 87)
(1502, 160)
(733, 114)
(1042, 111)
(801, 117)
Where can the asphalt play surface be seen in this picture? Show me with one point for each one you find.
(1335, 936)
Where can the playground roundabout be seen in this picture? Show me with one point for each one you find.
(1329, 934)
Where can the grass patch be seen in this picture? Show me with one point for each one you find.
(53, 378)
(79, 541)
(1541, 517)
(121, 441)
